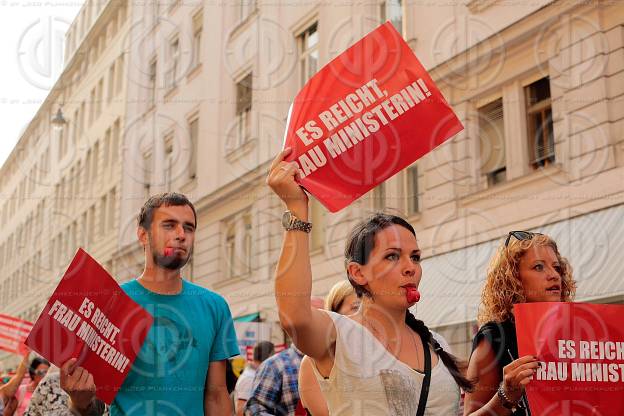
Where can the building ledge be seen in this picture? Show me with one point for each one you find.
(235, 154)
(171, 92)
(243, 24)
(502, 188)
(192, 74)
(477, 6)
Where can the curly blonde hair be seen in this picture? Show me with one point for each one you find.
(503, 287)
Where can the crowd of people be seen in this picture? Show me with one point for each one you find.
(361, 353)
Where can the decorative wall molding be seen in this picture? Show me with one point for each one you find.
(477, 6)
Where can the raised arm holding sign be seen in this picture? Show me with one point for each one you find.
(337, 123)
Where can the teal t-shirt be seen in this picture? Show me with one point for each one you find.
(190, 330)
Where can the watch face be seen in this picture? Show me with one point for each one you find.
(286, 219)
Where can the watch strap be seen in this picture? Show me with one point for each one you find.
(297, 224)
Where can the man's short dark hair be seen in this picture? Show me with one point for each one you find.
(167, 199)
(263, 350)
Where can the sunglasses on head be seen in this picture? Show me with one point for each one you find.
(520, 235)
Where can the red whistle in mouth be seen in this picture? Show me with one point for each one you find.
(168, 251)
(412, 294)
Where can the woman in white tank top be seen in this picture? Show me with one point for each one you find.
(372, 362)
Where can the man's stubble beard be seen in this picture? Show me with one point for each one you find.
(170, 262)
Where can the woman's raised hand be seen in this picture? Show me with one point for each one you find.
(517, 374)
(281, 179)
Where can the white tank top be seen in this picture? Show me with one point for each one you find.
(367, 379)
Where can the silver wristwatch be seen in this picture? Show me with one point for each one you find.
(290, 222)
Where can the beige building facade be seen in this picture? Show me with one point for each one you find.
(60, 187)
(538, 86)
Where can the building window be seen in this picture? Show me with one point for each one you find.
(115, 145)
(111, 82)
(83, 111)
(78, 178)
(83, 226)
(230, 250)
(393, 10)
(198, 21)
(102, 216)
(152, 83)
(107, 148)
(96, 162)
(147, 173)
(379, 197)
(244, 98)
(92, 220)
(194, 137)
(88, 165)
(308, 53)
(92, 99)
(246, 252)
(111, 209)
(77, 127)
(99, 98)
(411, 190)
(540, 124)
(174, 58)
(238, 242)
(168, 162)
(155, 11)
(120, 73)
(492, 142)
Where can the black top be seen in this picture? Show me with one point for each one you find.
(502, 338)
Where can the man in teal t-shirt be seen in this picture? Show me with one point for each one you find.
(180, 369)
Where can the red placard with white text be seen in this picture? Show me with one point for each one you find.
(90, 318)
(581, 347)
(366, 115)
(13, 333)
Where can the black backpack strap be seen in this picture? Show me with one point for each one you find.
(424, 391)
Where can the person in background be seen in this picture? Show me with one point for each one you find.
(244, 386)
(276, 387)
(49, 399)
(526, 268)
(341, 299)
(37, 370)
(8, 402)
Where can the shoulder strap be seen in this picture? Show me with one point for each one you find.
(424, 391)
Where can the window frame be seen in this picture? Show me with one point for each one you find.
(306, 52)
(409, 195)
(539, 109)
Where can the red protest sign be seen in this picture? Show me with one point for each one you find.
(13, 333)
(90, 318)
(366, 115)
(581, 347)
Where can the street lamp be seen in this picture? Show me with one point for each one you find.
(58, 121)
